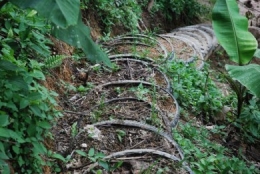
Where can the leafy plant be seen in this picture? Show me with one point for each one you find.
(85, 89)
(27, 114)
(120, 134)
(23, 34)
(67, 25)
(186, 10)
(240, 46)
(53, 61)
(194, 90)
(205, 156)
(140, 91)
(74, 129)
(249, 121)
(126, 13)
(98, 157)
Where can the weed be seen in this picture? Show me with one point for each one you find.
(85, 89)
(27, 114)
(124, 13)
(118, 90)
(186, 10)
(205, 156)
(67, 86)
(120, 134)
(96, 68)
(194, 90)
(140, 91)
(74, 129)
(53, 61)
(96, 115)
(98, 157)
(115, 67)
(249, 121)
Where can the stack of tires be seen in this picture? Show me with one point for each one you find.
(130, 113)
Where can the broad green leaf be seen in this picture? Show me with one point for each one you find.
(257, 53)
(5, 169)
(39, 148)
(99, 155)
(3, 156)
(35, 109)
(44, 124)
(24, 103)
(7, 133)
(18, 83)
(2, 149)
(91, 152)
(4, 119)
(79, 36)
(12, 106)
(104, 165)
(38, 75)
(80, 152)
(16, 149)
(62, 13)
(6, 65)
(34, 96)
(58, 156)
(231, 30)
(248, 75)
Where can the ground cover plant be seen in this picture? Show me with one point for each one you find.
(205, 155)
(125, 13)
(24, 121)
(194, 89)
(205, 146)
(175, 10)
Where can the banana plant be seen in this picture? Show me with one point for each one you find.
(231, 30)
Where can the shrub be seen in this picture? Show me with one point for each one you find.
(126, 13)
(184, 10)
(26, 111)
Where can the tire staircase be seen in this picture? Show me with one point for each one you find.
(130, 113)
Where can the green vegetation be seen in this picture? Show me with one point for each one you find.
(241, 51)
(198, 95)
(27, 113)
(128, 13)
(28, 110)
(227, 22)
(207, 156)
(194, 89)
(185, 10)
(125, 13)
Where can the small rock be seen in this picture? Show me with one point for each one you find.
(93, 132)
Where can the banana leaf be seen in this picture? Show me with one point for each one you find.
(231, 30)
(62, 13)
(248, 75)
(79, 36)
(67, 25)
